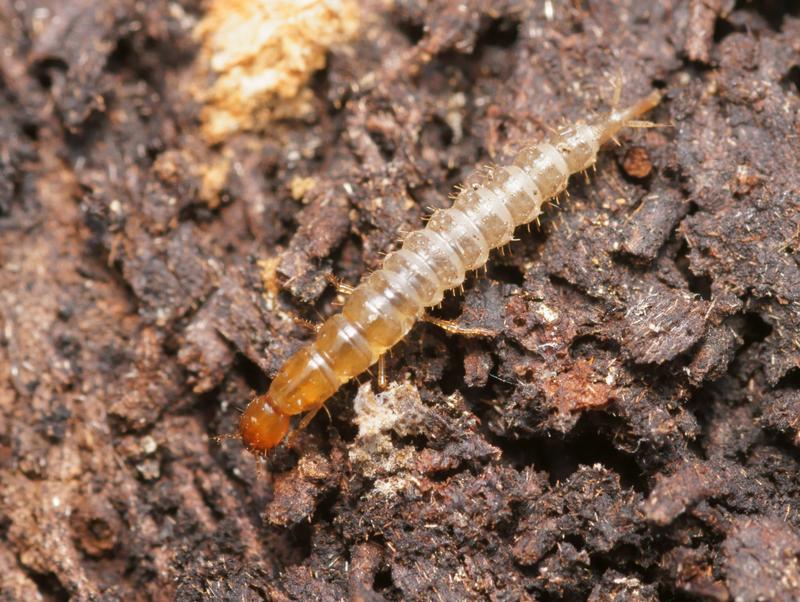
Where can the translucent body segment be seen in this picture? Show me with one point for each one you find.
(344, 347)
(545, 165)
(464, 235)
(522, 196)
(489, 214)
(409, 268)
(578, 144)
(375, 317)
(303, 383)
(381, 312)
(497, 204)
(405, 305)
(436, 252)
(553, 170)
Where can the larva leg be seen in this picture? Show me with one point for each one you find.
(306, 324)
(383, 380)
(454, 328)
(341, 287)
(304, 422)
(308, 417)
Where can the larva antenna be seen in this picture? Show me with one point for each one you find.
(637, 123)
(223, 437)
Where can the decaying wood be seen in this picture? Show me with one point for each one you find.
(629, 431)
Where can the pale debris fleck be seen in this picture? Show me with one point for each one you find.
(260, 55)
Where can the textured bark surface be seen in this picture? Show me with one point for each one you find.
(630, 432)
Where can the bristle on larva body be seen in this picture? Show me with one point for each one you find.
(384, 307)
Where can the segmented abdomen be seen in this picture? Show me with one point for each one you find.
(431, 261)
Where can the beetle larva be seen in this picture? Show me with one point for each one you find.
(384, 307)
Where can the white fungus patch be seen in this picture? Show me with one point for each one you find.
(399, 409)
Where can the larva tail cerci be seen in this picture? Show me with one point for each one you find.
(384, 307)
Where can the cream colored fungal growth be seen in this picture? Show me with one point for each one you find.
(399, 409)
(259, 56)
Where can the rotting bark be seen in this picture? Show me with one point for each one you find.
(630, 432)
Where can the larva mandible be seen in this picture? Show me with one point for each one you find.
(384, 307)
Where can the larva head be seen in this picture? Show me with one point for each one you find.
(261, 427)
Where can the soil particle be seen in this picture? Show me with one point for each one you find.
(650, 226)
(637, 162)
(782, 413)
(760, 559)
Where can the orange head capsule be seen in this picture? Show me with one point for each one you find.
(261, 426)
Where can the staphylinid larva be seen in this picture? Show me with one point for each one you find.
(386, 304)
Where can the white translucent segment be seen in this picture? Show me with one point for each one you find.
(578, 144)
(470, 230)
(465, 234)
(527, 206)
(417, 274)
(481, 210)
(438, 254)
(588, 136)
(550, 158)
(402, 297)
(499, 208)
